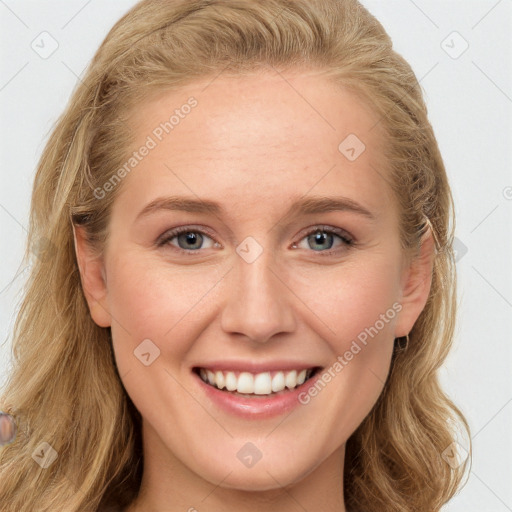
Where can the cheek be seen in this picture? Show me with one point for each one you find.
(351, 299)
(360, 312)
(149, 300)
(358, 302)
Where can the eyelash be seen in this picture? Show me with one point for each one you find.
(348, 242)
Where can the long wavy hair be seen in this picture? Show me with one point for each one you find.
(64, 388)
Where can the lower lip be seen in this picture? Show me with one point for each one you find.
(261, 406)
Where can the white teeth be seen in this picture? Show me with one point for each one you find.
(231, 381)
(245, 383)
(291, 379)
(278, 382)
(259, 384)
(301, 377)
(219, 380)
(262, 384)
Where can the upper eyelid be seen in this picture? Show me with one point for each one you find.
(329, 229)
(178, 230)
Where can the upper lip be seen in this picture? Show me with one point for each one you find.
(255, 367)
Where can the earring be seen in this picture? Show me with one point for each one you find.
(402, 343)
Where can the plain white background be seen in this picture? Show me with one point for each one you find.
(462, 53)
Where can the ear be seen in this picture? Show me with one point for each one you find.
(415, 285)
(93, 277)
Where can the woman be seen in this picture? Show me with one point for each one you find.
(250, 280)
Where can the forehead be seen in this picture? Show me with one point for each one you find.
(261, 137)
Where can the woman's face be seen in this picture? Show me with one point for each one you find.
(249, 170)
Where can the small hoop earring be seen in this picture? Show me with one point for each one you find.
(402, 343)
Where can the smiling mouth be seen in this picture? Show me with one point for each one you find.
(256, 384)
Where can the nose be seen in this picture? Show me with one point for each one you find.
(258, 303)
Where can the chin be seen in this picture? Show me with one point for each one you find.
(274, 473)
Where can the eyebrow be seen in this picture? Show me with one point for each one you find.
(304, 206)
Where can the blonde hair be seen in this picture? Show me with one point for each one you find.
(65, 389)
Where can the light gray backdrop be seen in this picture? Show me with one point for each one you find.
(462, 53)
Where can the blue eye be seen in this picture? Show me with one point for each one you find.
(190, 240)
(324, 238)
